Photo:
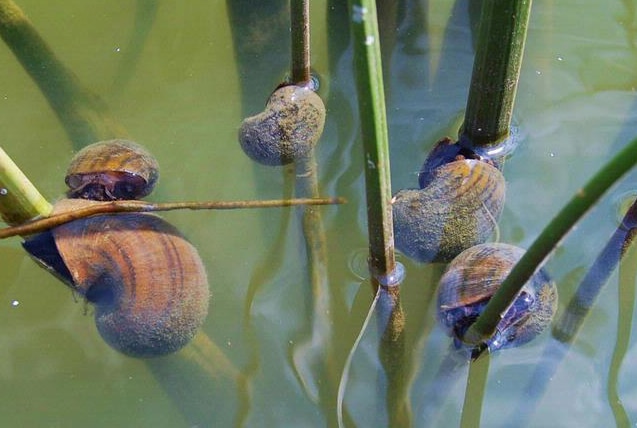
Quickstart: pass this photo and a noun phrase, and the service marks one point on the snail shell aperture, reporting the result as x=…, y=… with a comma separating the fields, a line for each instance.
x=146, y=281
x=287, y=130
x=459, y=208
x=113, y=169
x=474, y=276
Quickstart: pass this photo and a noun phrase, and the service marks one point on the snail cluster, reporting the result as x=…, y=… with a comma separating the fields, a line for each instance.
x=460, y=198
x=146, y=281
x=449, y=219
x=474, y=276
x=287, y=130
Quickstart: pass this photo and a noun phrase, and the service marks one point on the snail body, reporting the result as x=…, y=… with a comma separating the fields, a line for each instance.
x=146, y=281
x=474, y=276
x=110, y=170
x=457, y=209
x=288, y=128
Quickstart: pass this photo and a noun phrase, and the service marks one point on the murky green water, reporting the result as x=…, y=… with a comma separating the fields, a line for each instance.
x=279, y=346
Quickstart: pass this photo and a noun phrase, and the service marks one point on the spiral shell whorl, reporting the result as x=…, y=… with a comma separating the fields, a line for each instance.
x=458, y=209
x=147, y=282
x=287, y=130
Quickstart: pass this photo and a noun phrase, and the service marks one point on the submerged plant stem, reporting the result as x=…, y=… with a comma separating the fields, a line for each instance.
x=84, y=115
x=496, y=70
x=474, y=391
x=485, y=325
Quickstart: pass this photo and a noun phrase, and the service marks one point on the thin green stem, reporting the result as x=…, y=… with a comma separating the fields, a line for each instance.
x=300, y=32
x=20, y=201
x=496, y=70
x=585, y=198
x=371, y=101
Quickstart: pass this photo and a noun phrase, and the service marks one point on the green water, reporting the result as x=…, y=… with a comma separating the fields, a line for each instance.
x=280, y=346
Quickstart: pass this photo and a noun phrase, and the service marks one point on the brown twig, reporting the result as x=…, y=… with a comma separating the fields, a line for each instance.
x=112, y=207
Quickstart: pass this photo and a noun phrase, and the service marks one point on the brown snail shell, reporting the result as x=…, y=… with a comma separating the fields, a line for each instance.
x=474, y=276
x=459, y=208
x=147, y=282
x=113, y=169
x=288, y=128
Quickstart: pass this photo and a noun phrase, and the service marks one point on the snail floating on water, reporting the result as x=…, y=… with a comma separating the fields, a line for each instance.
x=111, y=170
x=288, y=128
x=457, y=208
x=474, y=276
x=146, y=281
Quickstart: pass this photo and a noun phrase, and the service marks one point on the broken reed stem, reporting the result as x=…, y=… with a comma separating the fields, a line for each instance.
x=20, y=201
x=112, y=207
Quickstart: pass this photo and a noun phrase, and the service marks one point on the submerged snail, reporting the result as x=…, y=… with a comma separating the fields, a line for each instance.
x=146, y=281
x=287, y=129
x=474, y=276
x=458, y=208
x=109, y=170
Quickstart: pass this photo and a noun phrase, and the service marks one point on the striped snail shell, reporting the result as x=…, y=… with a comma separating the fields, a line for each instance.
x=457, y=209
x=110, y=170
x=288, y=128
x=146, y=281
x=474, y=276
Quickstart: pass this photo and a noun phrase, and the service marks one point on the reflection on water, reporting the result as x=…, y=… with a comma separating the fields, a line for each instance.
x=184, y=98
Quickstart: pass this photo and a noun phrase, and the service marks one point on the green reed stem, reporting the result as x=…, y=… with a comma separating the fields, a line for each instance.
x=84, y=116
x=300, y=32
x=20, y=201
x=580, y=203
x=371, y=101
x=496, y=70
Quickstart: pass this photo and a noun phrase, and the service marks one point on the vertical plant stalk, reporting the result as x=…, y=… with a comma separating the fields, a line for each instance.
x=386, y=274
x=391, y=322
x=371, y=102
x=496, y=70
x=474, y=391
x=317, y=351
x=84, y=116
x=584, y=199
x=20, y=201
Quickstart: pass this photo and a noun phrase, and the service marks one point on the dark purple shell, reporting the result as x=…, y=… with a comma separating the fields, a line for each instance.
x=110, y=170
x=474, y=276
